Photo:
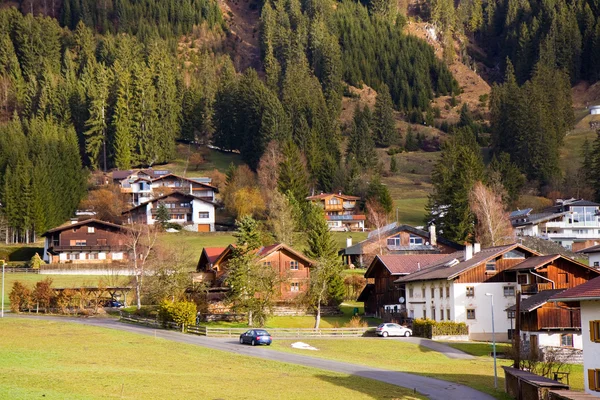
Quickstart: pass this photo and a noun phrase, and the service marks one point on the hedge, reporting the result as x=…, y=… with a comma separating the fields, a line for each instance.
x=429, y=328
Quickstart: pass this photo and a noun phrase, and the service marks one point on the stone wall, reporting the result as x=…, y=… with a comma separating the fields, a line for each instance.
x=565, y=354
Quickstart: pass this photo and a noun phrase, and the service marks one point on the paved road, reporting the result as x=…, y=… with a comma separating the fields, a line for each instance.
x=435, y=389
x=443, y=348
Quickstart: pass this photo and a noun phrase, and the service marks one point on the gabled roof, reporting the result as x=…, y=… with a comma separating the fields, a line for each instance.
x=535, y=262
x=366, y=292
x=176, y=192
x=358, y=247
x=122, y=174
x=541, y=217
x=86, y=222
x=536, y=301
x=581, y=203
x=325, y=195
x=586, y=291
x=592, y=249
x=265, y=251
x=446, y=269
x=403, y=264
x=184, y=179
x=212, y=253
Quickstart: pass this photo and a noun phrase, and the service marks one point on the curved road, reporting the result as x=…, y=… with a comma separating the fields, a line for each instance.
x=435, y=389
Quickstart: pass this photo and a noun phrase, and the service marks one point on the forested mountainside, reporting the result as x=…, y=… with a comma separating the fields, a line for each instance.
x=116, y=83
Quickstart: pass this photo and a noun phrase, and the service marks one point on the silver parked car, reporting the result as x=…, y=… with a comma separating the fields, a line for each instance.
x=390, y=329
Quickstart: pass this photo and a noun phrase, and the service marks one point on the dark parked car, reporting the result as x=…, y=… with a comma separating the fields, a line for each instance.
x=256, y=336
x=114, y=304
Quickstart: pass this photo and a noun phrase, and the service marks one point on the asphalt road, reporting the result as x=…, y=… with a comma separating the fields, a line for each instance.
x=434, y=389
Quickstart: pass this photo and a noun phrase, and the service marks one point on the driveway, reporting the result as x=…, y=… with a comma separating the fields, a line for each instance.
x=435, y=389
x=443, y=348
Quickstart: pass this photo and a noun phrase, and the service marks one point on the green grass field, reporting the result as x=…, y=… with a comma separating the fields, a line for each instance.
x=213, y=159
x=57, y=281
x=57, y=360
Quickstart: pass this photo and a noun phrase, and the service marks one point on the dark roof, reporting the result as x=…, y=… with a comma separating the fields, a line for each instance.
x=325, y=195
x=266, y=250
x=166, y=195
x=592, y=249
x=86, y=222
x=537, y=300
x=446, y=269
x=169, y=175
x=537, y=380
x=124, y=173
x=402, y=264
x=520, y=213
x=366, y=292
x=541, y=217
x=535, y=262
x=582, y=202
x=586, y=291
x=357, y=248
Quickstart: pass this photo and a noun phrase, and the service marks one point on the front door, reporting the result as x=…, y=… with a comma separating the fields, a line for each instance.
x=533, y=345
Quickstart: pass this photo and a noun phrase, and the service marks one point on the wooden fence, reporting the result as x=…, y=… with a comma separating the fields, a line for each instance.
x=24, y=270
x=279, y=333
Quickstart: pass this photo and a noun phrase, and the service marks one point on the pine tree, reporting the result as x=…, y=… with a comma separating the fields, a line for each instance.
x=393, y=165
x=162, y=216
x=360, y=143
x=384, y=126
x=293, y=177
x=96, y=125
x=122, y=123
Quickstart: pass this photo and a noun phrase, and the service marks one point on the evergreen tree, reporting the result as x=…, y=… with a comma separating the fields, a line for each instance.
x=380, y=193
x=393, y=165
x=162, y=215
x=96, y=125
x=384, y=126
x=411, y=142
x=293, y=177
x=360, y=143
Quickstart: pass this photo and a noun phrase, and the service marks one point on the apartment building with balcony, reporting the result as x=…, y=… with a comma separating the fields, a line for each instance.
x=341, y=211
x=91, y=241
x=194, y=213
x=574, y=224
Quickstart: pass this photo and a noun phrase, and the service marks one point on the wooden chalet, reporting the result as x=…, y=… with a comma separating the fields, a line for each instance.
x=292, y=266
x=90, y=241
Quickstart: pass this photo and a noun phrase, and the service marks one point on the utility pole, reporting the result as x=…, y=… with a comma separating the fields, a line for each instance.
x=494, y=341
x=517, y=333
x=2, y=310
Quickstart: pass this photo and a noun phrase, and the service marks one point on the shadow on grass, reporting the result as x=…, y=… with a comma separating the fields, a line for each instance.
x=368, y=387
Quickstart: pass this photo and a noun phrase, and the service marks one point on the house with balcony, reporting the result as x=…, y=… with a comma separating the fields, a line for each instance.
x=91, y=241
x=574, y=224
x=293, y=268
x=118, y=176
x=341, y=211
x=144, y=188
x=396, y=239
x=586, y=298
x=193, y=213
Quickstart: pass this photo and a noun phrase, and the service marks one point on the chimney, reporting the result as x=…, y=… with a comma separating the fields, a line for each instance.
x=340, y=192
x=74, y=221
x=418, y=266
x=349, y=241
x=432, y=235
x=468, y=251
x=476, y=248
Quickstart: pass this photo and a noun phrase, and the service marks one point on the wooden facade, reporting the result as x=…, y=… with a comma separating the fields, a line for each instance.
x=293, y=270
x=385, y=291
x=90, y=241
x=551, y=316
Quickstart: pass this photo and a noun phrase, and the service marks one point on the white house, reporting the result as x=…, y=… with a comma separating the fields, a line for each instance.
x=193, y=213
x=461, y=287
x=574, y=224
x=587, y=296
x=144, y=188
x=593, y=253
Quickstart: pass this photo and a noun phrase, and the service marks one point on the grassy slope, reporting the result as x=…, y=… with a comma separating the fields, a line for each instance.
x=213, y=159
x=57, y=360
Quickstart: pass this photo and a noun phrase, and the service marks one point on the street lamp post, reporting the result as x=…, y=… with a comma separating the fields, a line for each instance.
x=2, y=310
x=494, y=342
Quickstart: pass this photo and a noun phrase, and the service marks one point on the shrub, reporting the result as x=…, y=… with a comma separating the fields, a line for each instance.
x=183, y=313
x=428, y=328
x=20, y=297
x=356, y=322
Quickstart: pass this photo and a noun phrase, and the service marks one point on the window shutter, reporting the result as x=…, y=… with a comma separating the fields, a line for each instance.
x=592, y=379
x=592, y=332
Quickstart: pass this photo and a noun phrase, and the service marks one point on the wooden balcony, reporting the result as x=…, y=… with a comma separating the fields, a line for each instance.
x=535, y=288
x=175, y=210
x=104, y=247
x=334, y=207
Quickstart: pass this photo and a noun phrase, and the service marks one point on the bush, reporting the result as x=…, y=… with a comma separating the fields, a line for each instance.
x=20, y=297
x=356, y=322
x=428, y=328
x=183, y=313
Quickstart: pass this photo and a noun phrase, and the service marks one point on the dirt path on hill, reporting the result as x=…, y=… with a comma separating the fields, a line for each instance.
x=242, y=19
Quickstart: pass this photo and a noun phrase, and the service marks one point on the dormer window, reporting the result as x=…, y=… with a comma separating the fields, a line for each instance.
x=490, y=266
x=415, y=240
x=514, y=254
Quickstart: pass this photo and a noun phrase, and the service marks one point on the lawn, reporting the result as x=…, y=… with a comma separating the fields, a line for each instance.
x=407, y=357
x=57, y=281
x=57, y=360
x=213, y=159
x=479, y=349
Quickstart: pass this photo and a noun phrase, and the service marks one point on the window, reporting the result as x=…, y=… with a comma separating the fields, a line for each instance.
x=490, y=266
x=441, y=314
x=295, y=287
x=595, y=331
x=93, y=256
x=596, y=263
x=294, y=265
x=594, y=379
x=424, y=314
x=415, y=240
x=509, y=291
x=423, y=292
x=510, y=314
x=91, y=229
x=514, y=254
x=433, y=313
x=203, y=214
x=80, y=242
x=441, y=292
x=73, y=256
x=267, y=263
x=470, y=313
x=394, y=241
x=470, y=291
x=566, y=340
x=447, y=292
x=433, y=293
x=410, y=292
x=448, y=314
x=523, y=279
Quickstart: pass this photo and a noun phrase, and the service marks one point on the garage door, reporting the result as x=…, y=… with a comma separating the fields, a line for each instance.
x=203, y=228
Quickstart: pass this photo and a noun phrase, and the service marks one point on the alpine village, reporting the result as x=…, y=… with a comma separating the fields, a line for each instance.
x=300, y=199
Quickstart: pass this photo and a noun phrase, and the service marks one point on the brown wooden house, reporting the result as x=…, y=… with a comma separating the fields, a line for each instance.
x=293, y=268
x=89, y=241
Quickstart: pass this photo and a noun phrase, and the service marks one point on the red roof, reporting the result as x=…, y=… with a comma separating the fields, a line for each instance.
x=589, y=290
x=325, y=195
x=212, y=253
x=401, y=264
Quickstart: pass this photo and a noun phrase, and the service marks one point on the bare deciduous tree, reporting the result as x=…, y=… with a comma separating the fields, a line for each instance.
x=107, y=202
x=141, y=240
x=493, y=227
x=268, y=169
x=377, y=217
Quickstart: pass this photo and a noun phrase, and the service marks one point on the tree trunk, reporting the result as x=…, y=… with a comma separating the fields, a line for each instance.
x=250, y=319
x=318, y=316
x=137, y=292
